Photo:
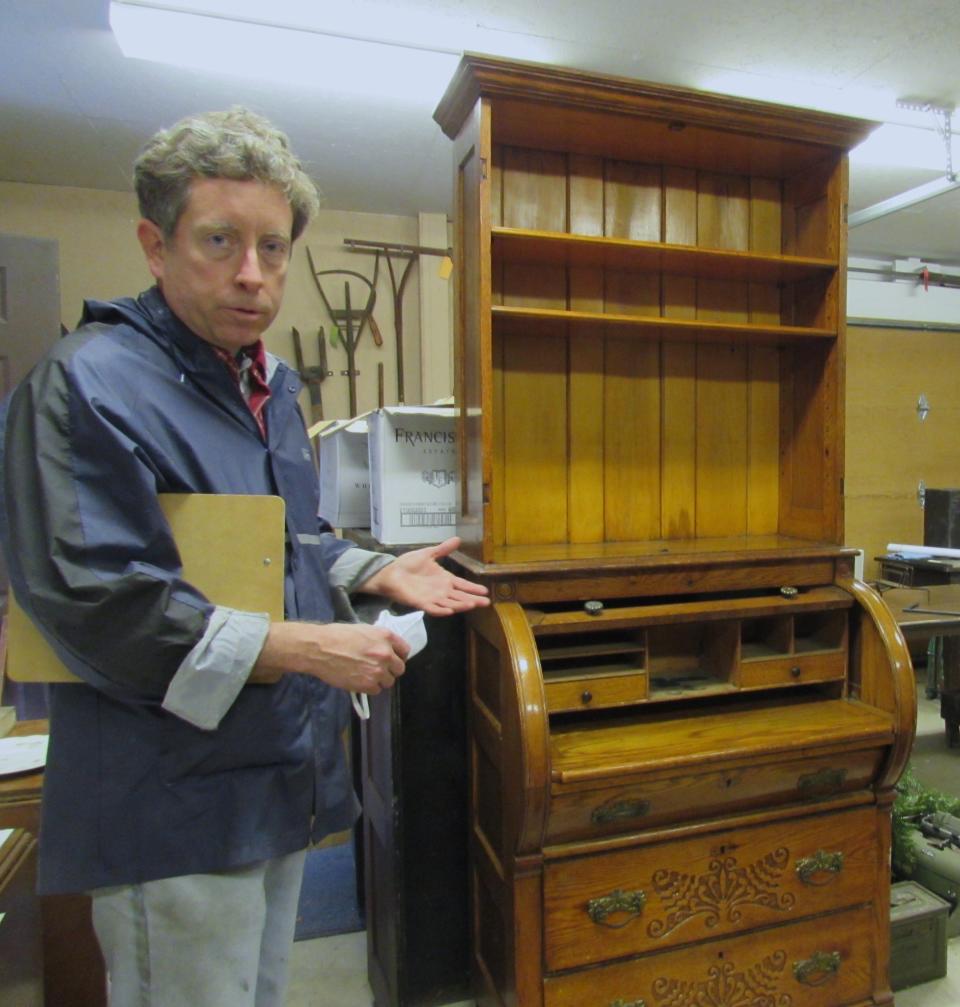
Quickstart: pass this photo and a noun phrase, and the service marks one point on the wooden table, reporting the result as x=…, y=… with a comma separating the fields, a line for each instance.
x=74, y=974
x=935, y=609
x=21, y=955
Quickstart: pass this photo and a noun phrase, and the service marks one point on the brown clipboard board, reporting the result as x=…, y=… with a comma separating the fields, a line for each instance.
x=232, y=550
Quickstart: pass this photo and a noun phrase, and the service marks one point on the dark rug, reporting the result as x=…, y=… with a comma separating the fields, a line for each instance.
x=328, y=898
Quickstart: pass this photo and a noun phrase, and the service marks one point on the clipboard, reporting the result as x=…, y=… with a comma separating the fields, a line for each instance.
x=232, y=549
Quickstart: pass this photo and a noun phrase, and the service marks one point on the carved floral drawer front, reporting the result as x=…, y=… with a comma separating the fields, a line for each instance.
x=661, y=895
x=588, y=813
x=820, y=962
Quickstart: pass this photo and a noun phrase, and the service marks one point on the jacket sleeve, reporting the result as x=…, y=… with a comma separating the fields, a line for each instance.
x=90, y=555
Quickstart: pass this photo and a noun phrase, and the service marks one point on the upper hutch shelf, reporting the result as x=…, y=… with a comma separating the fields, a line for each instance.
x=650, y=314
x=511, y=244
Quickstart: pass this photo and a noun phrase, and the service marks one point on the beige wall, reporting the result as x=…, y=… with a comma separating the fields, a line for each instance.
x=100, y=258
x=888, y=449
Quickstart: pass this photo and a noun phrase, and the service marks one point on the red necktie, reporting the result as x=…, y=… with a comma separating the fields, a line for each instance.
x=253, y=360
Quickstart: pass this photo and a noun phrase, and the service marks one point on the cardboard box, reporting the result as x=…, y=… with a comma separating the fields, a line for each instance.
x=413, y=473
x=345, y=474
x=918, y=935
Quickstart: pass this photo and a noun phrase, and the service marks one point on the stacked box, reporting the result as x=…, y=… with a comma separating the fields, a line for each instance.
x=413, y=474
x=918, y=935
x=345, y=474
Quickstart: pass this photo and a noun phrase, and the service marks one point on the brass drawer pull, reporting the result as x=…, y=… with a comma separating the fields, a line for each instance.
x=822, y=783
x=619, y=901
x=618, y=811
x=821, y=862
x=818, y=969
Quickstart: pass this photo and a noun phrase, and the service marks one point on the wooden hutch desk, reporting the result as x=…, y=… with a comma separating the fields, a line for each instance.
x=686, y=715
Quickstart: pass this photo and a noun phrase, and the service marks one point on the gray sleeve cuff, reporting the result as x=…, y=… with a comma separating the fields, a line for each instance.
x=213, y=673
x=356, y=566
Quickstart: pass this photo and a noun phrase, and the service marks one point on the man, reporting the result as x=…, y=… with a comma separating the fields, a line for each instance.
x=203, y=752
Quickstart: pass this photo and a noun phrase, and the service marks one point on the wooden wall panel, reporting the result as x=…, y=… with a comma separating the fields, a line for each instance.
x=534, y=383
x=763, y=441
x=535, y=438
x=585, y=213
x=632, y=201
x=723, y=221
x=586, y=348
x=632, y=440
x=888, y=450
x=722, y=404
x=678, y=487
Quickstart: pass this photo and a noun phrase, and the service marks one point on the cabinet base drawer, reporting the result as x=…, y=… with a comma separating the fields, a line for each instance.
x=589, y=814
x=822, y=962
x=651, y=897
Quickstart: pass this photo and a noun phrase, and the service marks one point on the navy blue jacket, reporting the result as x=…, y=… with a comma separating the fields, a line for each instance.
x=132, y=405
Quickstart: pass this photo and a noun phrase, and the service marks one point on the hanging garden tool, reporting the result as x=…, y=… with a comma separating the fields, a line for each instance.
x=313, y=377
x=411, y=253
x=349, y=321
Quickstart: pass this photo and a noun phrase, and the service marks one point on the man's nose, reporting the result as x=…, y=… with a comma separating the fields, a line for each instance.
x=249, y=273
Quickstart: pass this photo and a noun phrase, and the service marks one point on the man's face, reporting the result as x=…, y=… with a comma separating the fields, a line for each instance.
x=223, y=271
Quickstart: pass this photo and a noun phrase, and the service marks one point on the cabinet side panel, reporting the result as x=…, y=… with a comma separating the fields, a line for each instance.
x=632, y=440
x=810, y=504
x=721, y=440
x=472, y=330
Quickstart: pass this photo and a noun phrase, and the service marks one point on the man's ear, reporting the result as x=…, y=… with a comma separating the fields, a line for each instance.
x=153, y=245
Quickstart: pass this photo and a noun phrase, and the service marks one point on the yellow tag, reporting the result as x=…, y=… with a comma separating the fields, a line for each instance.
x=445, y=268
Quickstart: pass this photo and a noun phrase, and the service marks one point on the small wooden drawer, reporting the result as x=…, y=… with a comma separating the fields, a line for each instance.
x=813, y=963
x=580, y=813
x=595, y=692
x=651, y=897
x=794, y=669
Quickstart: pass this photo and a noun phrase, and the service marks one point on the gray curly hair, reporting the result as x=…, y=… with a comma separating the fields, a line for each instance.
x=236, y=144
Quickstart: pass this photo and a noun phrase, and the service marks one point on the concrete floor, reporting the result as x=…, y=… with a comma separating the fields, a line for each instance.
x=332, y=971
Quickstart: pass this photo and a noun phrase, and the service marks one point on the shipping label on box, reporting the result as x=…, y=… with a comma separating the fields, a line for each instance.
x=345, y=474
x=413, y=473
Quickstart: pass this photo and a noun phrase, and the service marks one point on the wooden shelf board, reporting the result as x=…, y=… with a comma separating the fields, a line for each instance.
x=655, y=326
x=550, y=248
x=656, y=552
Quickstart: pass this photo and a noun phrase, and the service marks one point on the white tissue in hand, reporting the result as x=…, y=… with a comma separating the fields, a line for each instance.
x=409, y=626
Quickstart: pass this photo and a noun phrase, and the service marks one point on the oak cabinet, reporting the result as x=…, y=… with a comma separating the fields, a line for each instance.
x=686, y=715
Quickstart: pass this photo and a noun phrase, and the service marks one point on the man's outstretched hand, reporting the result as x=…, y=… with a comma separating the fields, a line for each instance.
x=417, y=579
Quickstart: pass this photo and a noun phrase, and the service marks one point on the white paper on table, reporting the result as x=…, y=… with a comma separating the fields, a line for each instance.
x=18, y=755
x=411, y=628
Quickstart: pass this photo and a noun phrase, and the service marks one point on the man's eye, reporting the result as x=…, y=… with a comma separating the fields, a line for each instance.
x=218, y=241
x=274, y=250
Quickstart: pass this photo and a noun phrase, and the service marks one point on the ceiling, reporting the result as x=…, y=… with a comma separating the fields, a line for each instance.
x=74, y=110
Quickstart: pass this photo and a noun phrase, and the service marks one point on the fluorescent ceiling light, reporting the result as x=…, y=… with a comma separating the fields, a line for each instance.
x=902, y=200
x=303, y=56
